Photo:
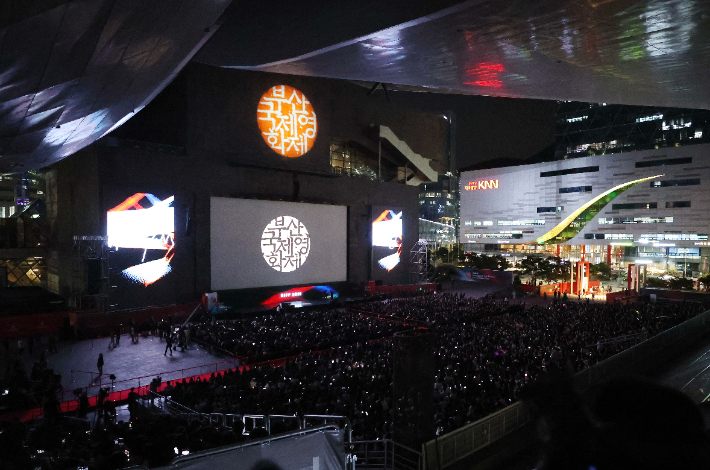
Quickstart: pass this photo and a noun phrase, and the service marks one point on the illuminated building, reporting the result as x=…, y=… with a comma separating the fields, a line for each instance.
x=439, y=201
x=599, y=128
x=643, y=207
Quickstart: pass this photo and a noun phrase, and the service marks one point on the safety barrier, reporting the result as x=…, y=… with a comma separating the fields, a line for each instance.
x=456, y=445
x=459, y=444
x=384, y=455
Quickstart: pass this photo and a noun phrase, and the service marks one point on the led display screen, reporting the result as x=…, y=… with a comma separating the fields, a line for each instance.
x=142, y=228
x=272, y=243
x=387, y=238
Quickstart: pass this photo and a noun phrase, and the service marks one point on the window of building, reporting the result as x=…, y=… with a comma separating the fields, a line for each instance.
x=665, y=162
x=675, y=204
x=569, y=171
x=647, y=237
x=670, y=183
x=347, y=161
x=608, y=236
x=635, y=220
x=576, y=189
x=635, y=205
x=522, y=222
x=494, y=235
x=541, y=210
x=655, y=117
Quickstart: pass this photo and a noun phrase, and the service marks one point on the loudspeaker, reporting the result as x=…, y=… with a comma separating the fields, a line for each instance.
x=93, y=276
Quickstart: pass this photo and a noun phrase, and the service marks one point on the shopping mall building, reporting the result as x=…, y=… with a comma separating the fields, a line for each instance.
x=644, y=207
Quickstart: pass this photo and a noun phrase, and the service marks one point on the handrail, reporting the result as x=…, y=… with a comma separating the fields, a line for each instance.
x=156, y=374
x=219, y=450
x=385, y=454
x=620, y=339
x=348, y=426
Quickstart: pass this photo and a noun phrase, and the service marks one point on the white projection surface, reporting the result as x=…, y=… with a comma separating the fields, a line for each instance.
x=272, y=243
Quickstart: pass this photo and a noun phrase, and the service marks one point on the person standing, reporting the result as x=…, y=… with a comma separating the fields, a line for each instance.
x=169, y=346
x=100, y=363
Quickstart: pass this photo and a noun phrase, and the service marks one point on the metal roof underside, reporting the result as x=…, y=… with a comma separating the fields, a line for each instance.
x=73, y=70
x=638, y=52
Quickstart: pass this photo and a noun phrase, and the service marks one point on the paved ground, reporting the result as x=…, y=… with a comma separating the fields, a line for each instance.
x=139, y=362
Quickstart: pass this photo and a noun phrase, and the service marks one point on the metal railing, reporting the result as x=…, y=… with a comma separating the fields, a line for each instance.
x=630, y=338
x=459, y=444
x=96, y=381
x=384, y=455
x=250, y=422
x=219, y=450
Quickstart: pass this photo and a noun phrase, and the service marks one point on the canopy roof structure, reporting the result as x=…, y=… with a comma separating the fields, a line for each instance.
x=72, y=71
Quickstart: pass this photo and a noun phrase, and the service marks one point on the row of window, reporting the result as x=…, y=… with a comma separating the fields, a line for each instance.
x=522, y=222
x=542, y=210
x=635, y=205
x=608, y=236
x=649, y=205
x=576, y=189
x=671, y=183
x=487, y=223
x=667, y=161
x=652, y=163
x=569, y=171
x=494, y=235
x=672, y=236
x=635, y=220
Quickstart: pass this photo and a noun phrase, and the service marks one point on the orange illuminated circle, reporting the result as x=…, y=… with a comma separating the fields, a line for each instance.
x=287, y=121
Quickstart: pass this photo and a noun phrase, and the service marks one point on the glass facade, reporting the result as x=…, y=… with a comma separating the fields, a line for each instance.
x=598, y=128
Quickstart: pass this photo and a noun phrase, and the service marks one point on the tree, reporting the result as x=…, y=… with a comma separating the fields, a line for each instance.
x=477, y=261
x=681, y=283
x=705, y=280
x=655, y=282
x=556, y=270
x=532, y=266
x=601, y=271
x=549, y=269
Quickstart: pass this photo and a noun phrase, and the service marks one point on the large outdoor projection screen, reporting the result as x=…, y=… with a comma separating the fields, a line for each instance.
x=272, y=243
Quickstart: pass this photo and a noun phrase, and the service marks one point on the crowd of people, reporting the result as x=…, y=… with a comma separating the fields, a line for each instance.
x=486, y=352
x=273, y=336
x=65, y=443
x=340, y=362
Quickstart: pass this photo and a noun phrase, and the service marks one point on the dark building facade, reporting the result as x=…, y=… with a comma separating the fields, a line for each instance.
x=201, y=139
x=584, y=129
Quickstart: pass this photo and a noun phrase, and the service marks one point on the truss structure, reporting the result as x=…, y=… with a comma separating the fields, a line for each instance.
x=420, y=268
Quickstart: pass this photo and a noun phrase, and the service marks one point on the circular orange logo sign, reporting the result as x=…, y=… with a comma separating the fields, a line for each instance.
x=287, y=121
